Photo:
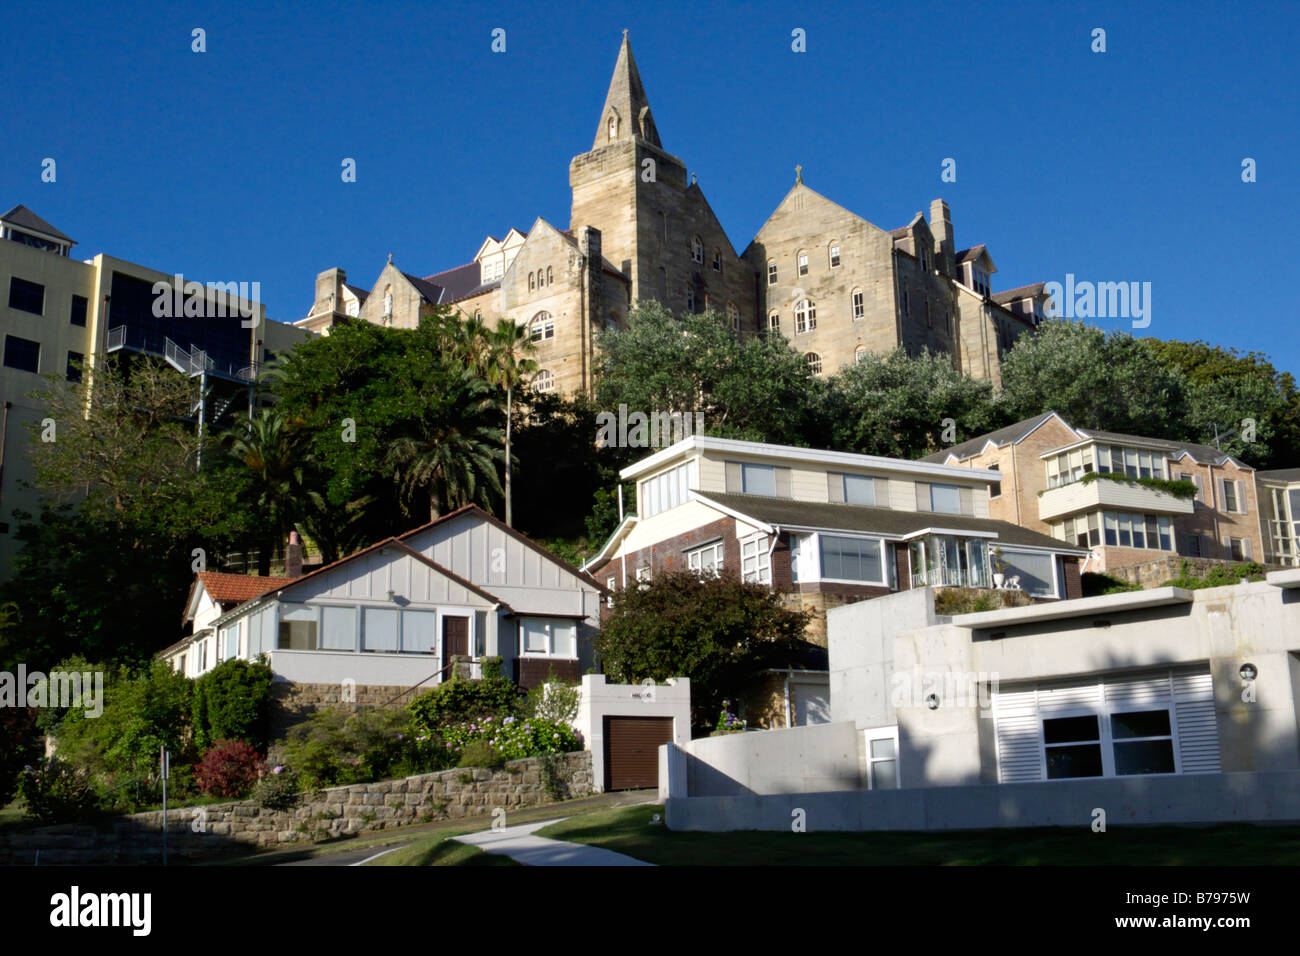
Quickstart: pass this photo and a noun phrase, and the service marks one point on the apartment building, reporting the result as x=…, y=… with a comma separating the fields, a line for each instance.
x=825, y=528
x=60, y=316
x=1128, y=499
x=1278, y=494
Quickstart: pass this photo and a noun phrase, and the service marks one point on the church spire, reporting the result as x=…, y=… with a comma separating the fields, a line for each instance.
x=627, y=111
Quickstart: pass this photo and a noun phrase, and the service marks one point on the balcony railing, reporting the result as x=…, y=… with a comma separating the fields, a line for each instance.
x=951, y=578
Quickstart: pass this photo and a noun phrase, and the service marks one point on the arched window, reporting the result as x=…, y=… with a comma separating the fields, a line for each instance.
x=805, y=316
x=771, y=272
x=543, y=381
x=774, y=321
x=802, y=259
x=690, y=299
x=542, y=327
x=859, y=304
x=697, y=249
x=388, y=300
x=478, y=315
x=907, y=302
x=733, y=314
x=532, y=281
x=834, y=254
x=717, y=260
x=613, y=126
x=859, y=354
x=814, y=362
x=550, y=275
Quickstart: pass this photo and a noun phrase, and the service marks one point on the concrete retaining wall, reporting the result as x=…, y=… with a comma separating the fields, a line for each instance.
x=1189, y=799
x=810, y=759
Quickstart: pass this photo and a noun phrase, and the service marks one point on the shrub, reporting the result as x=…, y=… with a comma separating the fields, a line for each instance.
x=277, y=789
x=232, y=702
x=1095, y=584
x=459, y=700
x=1220, y=575
x=59, y=792
x=20, y=745
x=728, y=723
x=553, y=701
x=336, y=747
x=230, y=768
x=962, y=600
x=479, y=753
x=509, y=738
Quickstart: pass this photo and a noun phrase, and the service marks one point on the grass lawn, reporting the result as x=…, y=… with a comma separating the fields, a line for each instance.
x=630, y=830
x=441, y=851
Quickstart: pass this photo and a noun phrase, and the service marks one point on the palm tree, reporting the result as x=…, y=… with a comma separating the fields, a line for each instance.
x=507, y=368
x=267, y=447
x=449, y=453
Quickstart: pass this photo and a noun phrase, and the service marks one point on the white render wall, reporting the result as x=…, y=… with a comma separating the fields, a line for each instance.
x=600, y=700
x=816, y=758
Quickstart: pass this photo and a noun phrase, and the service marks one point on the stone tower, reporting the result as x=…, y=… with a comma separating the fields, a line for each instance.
x=655, y=225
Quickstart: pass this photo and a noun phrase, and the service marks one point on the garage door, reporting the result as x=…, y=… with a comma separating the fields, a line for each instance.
x=632, y=751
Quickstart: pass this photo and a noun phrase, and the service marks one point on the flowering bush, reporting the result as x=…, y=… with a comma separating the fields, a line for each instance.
x=230, y=768
x=58, y=792
x=728, y=723
x=512, y=738
x=277, y=788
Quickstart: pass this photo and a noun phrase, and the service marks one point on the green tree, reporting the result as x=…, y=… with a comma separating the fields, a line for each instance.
x=508, y=368
x=719, y=632
x=755, y=388
x=1094, y=379
x=898, y=405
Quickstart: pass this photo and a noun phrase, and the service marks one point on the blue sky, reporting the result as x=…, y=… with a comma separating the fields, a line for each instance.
x=1115, y=166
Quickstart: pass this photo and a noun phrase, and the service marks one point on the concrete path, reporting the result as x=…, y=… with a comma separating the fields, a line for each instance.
x=520, y=845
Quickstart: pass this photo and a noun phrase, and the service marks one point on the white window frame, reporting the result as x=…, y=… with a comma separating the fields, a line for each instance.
x=755, y=560
x=816, y=559
x=549, y=625
x=695, y=557
x=1103, y=712
x=882, y=733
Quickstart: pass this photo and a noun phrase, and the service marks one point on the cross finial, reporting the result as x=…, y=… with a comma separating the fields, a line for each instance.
x=625, y=33
x=390, y=258
x=798, y=175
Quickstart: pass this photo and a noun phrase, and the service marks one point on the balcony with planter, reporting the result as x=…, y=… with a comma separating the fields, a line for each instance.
x=1117, y=493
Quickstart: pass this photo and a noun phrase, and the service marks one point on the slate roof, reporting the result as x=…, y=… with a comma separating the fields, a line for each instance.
x=1003, y=436
x=966, y=255
x=457, y=283
x=1015, y=295
x=1201, y=453
x=887, y=521
x=24, y=218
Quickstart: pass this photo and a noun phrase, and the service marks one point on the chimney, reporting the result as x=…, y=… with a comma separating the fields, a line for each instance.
x=329, y=290
x=941, y=227
x=293, y=556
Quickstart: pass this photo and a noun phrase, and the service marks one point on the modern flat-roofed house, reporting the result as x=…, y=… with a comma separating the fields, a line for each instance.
x=393, y=615
x=1278, y=493
x=824, y=527
x=1127, y=498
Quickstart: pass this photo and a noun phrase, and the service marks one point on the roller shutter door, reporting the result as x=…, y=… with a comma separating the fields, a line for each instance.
x=632, y=751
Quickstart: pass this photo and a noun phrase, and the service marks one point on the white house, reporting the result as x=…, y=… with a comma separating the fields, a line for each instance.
x=394, y=614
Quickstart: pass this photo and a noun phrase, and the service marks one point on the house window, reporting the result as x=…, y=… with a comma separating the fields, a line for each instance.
x=22, y=354
x=338, y=628
x=859, y=354
x=755, y=561
x=550, y=274
x=835, y=256
x=771, y=272
x=643, y=574
x=697, y=249
x=814, y=362
x=297, y=627
x=1233, y=502
x=859, y=490
x=733, y=314
x=1239, y=549
x=1122, y=744
x=74, y=366
x=945, y=499
x=380, y=630
x=803, y=263
x=859, y=304
x=995, y=489
x=532, y=281
x=1033, y=571
x=805, y=316
x=1193, y=546
x=541, y=327
x=758, y=479
x=544, y=381
x=882, y=758
x=664, y=491
x=774, y=321
x=690, y=299
x=717, y=260
x=26, y=296
x=859, y=560
x=706, y=560
x=419, y=632
x=79, y=306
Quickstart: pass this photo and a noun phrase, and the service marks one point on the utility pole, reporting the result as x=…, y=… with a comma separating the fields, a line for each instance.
x=203, y=388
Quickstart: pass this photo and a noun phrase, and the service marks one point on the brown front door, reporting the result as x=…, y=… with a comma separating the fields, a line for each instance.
x=632, y=751
x=455, y=638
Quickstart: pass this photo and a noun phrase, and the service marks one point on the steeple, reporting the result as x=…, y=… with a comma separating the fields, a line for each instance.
x=627, y=111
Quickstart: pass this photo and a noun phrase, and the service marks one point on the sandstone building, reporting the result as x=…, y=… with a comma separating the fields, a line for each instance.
x=640, y=228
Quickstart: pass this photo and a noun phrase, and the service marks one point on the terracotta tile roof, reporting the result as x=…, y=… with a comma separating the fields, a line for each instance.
x=238, y=588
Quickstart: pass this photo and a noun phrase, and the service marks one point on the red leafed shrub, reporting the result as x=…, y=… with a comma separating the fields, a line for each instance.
x=228, y=769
